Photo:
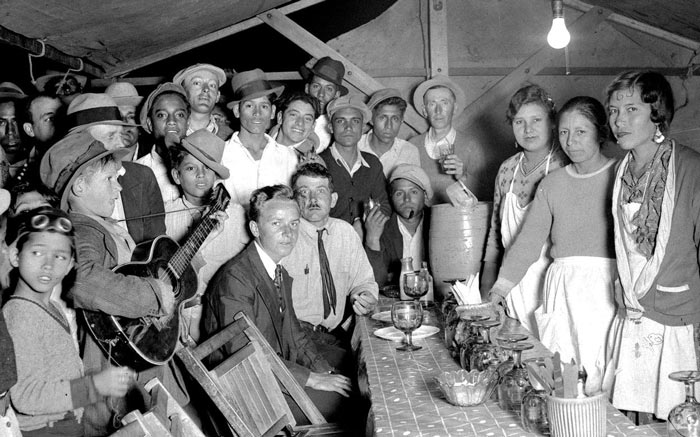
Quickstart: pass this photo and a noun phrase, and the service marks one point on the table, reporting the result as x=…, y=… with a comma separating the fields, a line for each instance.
x=406, y=400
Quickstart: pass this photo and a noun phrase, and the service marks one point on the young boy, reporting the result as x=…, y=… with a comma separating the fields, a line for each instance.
x=196, y=166
x=84, y=175
x=52, y=387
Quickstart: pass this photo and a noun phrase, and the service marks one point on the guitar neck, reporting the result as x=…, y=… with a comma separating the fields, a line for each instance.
x=182, y=258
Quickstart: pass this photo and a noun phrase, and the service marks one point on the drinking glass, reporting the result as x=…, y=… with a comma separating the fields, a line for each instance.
x=407, y=316
x=445, y=151
x=415, y=286
x=684, y=418
x=466, y=337
x=533, y=413
x=515, y=382
x=484, y=354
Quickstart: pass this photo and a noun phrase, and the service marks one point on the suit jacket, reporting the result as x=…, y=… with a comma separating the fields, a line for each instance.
x=242, y=284
x=386, y=262
x=141, y=197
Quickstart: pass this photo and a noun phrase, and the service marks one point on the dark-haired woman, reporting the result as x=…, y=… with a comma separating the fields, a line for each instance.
x=656, y=207
x=531, y=114
x=572, y=207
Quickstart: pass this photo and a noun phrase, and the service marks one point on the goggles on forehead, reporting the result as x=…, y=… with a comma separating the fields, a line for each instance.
x=44, y=222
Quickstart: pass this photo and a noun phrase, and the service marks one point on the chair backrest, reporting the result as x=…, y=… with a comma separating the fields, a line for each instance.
x=244, y=386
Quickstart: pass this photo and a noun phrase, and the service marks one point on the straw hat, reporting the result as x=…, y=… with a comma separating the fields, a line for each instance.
x=41, y=82
x=92, y=109
x=248, y=85
x=439, y=80
x=208, y=148
x=124, y=94
x=65, y=160
x=9, y=90
x=185, y=73
x=329, y=69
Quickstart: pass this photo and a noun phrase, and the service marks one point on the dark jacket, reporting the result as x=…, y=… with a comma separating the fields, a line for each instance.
x=387, y=262
x=242, y=284
x=141, y=198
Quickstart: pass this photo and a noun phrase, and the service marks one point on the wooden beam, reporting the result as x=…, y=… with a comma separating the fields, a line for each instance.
x=501, y=91
x=126, y=67
x=35, y=47
x=638, y=25
x=439, y=60
x=318, y=49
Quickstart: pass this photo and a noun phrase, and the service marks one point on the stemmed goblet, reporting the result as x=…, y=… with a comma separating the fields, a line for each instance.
x=415, y=285
x=407, y=316
x=684, y=418
x=516, y=381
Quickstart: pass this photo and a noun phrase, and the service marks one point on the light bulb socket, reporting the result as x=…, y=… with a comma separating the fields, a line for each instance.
x=558, y=8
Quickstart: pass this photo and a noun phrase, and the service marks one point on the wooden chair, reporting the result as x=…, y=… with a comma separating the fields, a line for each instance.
x=245, y=386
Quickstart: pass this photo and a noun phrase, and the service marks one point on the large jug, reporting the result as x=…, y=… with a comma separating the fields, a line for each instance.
x=457, y=240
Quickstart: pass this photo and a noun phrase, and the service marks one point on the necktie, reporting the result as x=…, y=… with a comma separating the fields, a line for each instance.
x=326, y=278
x=278, y=286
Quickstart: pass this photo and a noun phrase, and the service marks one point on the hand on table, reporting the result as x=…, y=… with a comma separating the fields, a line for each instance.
x=114, y=381
x=363, y=303
x=329, y=382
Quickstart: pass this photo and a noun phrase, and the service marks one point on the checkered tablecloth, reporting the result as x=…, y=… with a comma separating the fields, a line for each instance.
x=406, y=400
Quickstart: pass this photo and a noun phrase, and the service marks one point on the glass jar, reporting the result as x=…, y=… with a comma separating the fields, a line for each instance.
x=533, y=412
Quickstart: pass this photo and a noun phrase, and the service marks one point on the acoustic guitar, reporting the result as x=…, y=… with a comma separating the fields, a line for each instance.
x=148, y=341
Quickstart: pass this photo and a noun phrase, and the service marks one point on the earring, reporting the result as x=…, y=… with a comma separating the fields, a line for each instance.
x=515, y=144
x=658, y=136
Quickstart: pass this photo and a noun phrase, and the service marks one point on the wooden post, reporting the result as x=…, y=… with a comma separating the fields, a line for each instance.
x=35, y=47
x=501, y=91
x=439, y=57
x=318, y=49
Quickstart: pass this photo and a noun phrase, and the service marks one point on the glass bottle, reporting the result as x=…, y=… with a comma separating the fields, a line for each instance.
x=516, y=381
x=684, y=418
x=406, y=267
x=430, y=297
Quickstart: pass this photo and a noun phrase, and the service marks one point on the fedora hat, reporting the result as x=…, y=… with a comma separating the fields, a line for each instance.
x=381, y=95
x=41, y=82
x=65, y=161
x=248, y=85
x=185, y=73
x=208, y=149
x=124, y=93
x=91, y=109
x=349, y=101
x=329, y=69
x=443, y=81
x=9, y=90
x=167, y=87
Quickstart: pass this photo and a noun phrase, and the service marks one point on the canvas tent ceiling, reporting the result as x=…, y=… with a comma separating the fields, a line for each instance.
x=110, y=34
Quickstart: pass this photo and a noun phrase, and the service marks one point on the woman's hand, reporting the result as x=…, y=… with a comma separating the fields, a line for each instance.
x=114, y=381
x=329, y=382
x=495, y=298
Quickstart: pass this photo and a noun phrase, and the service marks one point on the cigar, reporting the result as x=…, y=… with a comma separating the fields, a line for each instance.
x=410, y=215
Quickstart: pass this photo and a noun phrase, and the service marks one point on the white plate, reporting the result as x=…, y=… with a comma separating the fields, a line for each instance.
x=393, y=334
x=383, y=316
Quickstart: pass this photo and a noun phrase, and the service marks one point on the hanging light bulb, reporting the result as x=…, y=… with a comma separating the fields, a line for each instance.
x=558, y=37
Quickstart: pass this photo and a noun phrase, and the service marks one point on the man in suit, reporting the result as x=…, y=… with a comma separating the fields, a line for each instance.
x=139, y=208
x=255, y=283
x=405, y=233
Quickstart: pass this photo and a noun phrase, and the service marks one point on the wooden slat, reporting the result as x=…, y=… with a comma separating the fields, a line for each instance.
x=439, y=60
x=638, y=25
x=317, y=48
x=34, y=47
x=503, y=89
x=126, y=67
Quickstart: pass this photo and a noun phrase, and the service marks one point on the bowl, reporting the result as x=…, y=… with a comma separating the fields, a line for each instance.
x=466, y=389
x=391, y=291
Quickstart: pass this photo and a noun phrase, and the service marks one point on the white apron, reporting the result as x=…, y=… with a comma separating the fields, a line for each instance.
x=578, y=312
x=526, y=296
x=646, y=352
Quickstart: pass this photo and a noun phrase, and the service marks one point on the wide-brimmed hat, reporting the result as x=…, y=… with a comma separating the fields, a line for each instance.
x=414, y=174
x=124, y=93
x=91, y=109
x=349, y=101
x=326, y=68
x=65, y=160
x=208, y=148
x=439, y=80
x=9, y=90
x=380, y=95
x=41, y=82
x=167, y=87
x=248, y=85
x=183, y=74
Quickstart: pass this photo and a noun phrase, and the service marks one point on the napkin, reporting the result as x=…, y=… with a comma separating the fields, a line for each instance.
x=467, y=292
x=460, y=196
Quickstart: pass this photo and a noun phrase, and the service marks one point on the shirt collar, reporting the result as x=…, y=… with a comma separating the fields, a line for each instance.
x=311, y=230
x=268, y=263
x=336, y=156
